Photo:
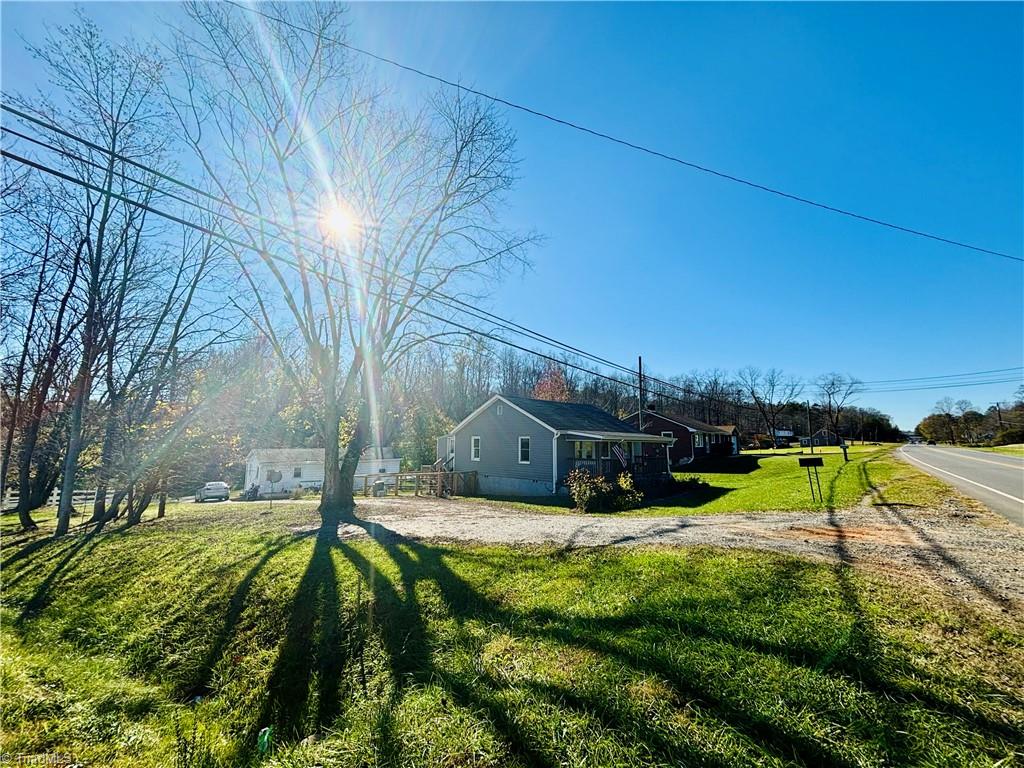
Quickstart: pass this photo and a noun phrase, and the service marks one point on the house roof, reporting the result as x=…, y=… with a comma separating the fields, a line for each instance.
x=727, y=428
x=566, y=417
x=685, y=421
x=299, y=455
x=287, y=455
x=574, y=419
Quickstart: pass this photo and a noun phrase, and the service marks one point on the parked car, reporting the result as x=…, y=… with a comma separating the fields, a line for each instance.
x=216, y=491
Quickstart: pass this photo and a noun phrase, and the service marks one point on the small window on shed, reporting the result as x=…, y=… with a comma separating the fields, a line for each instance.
x=524, y=450
x=297, y=472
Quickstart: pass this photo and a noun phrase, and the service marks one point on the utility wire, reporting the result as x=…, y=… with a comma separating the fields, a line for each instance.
x=959, y=385
x=434, y=295
x=629, y=144
x=431, y=295
x=945, y=376
x=295, y=265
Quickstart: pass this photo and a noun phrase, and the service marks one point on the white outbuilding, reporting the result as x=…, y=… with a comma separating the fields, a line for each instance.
x=304, y=468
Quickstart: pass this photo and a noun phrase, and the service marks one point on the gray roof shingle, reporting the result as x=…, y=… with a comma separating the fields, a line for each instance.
x=571, y=416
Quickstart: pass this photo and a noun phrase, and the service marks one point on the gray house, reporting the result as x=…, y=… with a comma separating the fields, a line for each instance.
x=524, y=447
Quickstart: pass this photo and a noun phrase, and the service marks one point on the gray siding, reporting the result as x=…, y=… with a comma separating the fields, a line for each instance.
x=499, y=470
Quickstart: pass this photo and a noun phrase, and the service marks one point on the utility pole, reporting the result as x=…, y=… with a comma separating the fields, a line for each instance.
x=810, y=435
x=640, y=392
x=999, y=413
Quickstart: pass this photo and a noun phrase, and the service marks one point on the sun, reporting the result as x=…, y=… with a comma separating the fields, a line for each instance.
x=338, y=221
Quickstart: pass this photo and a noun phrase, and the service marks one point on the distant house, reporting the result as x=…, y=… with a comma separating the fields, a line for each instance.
x=693, y=439
x=823, y=436
x=783, y=437
x=524, y=447
x=304, y=467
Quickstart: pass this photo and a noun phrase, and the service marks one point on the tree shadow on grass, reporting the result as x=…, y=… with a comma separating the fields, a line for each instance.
x=315, y=676
x=405, y=637
x=863, y=643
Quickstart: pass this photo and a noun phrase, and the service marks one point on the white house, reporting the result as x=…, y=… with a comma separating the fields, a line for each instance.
x=304, y=467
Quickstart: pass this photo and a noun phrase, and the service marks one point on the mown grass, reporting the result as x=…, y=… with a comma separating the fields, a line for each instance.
x=391, y=652
x=1010, y=450
x=763, y=482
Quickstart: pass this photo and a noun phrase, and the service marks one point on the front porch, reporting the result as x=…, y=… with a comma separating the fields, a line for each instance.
x=638, y=466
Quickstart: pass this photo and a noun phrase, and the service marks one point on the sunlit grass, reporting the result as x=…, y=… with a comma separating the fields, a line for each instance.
x=399, y=653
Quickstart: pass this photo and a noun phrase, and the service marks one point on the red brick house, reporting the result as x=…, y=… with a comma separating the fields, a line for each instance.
x=693, y=439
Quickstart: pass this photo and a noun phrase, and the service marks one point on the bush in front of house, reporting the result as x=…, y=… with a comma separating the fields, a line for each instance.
x=594, y=493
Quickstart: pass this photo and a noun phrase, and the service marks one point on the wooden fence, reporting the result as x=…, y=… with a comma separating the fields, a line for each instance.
x=418, y=483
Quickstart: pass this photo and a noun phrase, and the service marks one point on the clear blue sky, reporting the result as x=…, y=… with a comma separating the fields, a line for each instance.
x=908, y=112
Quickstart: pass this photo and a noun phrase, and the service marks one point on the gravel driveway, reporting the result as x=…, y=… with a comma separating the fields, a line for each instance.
x=970, y=552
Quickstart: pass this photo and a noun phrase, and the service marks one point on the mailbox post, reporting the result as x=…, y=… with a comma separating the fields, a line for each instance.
x=813, y=461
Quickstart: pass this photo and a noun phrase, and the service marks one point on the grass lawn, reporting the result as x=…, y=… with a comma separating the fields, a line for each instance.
x=760, y=482
x=1016, y=449
x=174, y=643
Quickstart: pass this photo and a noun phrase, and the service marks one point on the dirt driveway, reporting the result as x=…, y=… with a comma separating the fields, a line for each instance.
x=970, y=552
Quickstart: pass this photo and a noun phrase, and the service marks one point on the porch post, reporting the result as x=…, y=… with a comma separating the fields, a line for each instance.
x=554, y=463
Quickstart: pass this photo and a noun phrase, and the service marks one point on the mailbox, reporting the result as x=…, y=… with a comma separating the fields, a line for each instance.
x=812, y=461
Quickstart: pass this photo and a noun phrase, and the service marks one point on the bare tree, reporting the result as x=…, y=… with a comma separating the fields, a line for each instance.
x=363, y=211
x=107, y=93
x=835, y=392
x=771, y=391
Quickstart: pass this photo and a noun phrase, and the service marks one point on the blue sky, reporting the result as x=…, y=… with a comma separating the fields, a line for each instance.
x=907, y=112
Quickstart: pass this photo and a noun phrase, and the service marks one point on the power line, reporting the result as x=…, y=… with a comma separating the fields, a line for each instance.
x=630, y=144
x=959, y=385
x=945, y=376
x=295, y=265
x=434, y=295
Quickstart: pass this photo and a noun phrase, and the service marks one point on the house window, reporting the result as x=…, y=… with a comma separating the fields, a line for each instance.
x=297, y=472
x=698, y=439
x=667, y=434
x=606, y=450
x=584, y=449
x=474, y=448
x=499, y=410
x=524, y=450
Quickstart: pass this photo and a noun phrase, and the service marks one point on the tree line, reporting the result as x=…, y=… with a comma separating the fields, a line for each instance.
x=959, y=421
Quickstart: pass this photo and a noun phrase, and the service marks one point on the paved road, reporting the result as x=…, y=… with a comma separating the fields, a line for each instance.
x=995, y=479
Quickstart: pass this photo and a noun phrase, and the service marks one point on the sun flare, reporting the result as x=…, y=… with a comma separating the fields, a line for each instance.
x=338, y=221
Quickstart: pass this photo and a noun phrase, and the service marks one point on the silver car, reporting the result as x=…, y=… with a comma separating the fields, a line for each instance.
x=216, y=491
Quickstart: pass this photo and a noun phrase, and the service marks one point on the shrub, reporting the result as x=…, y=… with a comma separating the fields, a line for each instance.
x=627, y=496
x=298, y=492
x=1009, y=436
x=590, y=493
x=593, y=493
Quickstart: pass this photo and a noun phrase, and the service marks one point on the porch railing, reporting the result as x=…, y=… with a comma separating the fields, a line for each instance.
x=636, y=465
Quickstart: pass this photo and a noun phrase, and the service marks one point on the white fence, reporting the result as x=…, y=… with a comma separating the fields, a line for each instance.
x=79, y=499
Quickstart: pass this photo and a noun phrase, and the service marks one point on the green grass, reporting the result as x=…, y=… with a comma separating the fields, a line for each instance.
x=762, y=482
x=1011, y=450
x=397, y=653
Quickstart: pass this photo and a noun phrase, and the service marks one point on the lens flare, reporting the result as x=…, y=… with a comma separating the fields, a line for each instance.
x=338, y=221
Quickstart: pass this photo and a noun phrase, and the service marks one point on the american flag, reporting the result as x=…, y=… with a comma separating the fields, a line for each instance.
x=620, y=454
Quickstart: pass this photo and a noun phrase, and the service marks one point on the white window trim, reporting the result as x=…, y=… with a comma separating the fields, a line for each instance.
x=529, y=449
x=667, y=434
x=474, y=448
